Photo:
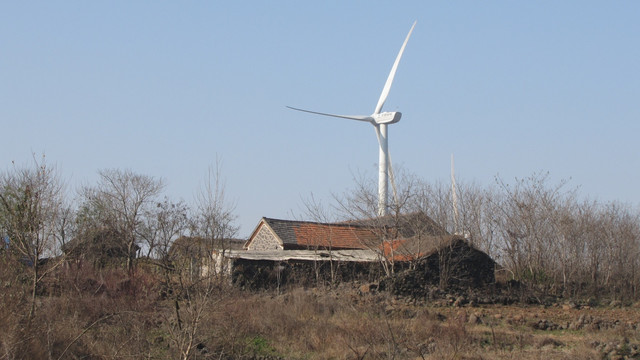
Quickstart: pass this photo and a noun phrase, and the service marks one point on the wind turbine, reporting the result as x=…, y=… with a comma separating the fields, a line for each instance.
x=379, y=120
x=454, y=199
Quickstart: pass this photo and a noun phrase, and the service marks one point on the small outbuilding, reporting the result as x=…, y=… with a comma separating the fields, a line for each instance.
x=448, y=260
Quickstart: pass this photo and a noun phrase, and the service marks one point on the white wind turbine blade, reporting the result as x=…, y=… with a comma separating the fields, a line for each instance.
x=392, y=74
x=350, y=117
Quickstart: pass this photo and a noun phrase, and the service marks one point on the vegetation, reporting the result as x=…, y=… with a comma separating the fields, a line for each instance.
x=543, y=235
x=110, y=315
x=121, y=274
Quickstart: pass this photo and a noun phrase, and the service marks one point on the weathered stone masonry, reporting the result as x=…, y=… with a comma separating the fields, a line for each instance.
x=265, y=240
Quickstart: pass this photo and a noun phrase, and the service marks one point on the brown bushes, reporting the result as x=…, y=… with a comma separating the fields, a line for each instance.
x=109, y=314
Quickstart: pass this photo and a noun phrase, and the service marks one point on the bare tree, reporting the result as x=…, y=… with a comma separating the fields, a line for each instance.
x=526, y=221
x=119, y=202
x=469, y=223
x=212, y=227
x=408, y=217
x=621, y=238
x=476, y=209
x=65, y=225
x=315, y=209
x=538, y=230
x=162, y=225
x=30, y=207
x=360, y=205
x=435, y=200
x=214, y=217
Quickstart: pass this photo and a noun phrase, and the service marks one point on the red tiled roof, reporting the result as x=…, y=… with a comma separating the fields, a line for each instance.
x=394, y=250
x=403, y=226
x=334, y=236
x=303, y=234
x=363, y=234
x=417, y=247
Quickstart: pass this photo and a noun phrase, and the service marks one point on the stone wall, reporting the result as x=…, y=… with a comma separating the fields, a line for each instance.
x=267, y=274
x=458, y=266
x=264, y=240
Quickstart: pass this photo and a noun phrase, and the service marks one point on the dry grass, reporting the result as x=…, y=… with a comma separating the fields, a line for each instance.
x=313, y=324
x=109, y=315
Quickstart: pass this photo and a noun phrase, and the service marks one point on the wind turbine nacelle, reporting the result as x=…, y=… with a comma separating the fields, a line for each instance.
x=387, y=117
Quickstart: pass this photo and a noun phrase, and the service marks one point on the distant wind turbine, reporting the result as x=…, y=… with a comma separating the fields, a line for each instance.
x=379, y=120
x=454, y=199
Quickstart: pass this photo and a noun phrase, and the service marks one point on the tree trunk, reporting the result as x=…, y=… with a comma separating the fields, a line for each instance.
x=34, y=288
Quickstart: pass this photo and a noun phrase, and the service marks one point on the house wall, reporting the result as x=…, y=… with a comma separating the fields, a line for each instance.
x=459, y=266
x=264, y=240
x=268, y=274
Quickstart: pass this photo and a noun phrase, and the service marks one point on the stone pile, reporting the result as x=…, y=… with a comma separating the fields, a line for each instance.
x=618, y=350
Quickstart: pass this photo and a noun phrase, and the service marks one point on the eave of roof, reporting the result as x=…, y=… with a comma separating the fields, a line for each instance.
x=305, y=255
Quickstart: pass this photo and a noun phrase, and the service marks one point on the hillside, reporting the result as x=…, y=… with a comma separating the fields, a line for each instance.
x=111, y=315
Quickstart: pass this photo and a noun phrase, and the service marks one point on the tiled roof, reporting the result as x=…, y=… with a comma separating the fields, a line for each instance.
x=418, y=247
x=423, y=239
x=187, y=245
x=357, y=234
x=414, y=248
x=322, y=235
x=404, y=226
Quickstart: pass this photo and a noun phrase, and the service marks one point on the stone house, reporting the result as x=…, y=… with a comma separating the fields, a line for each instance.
x=283, y=251
x=276, y=234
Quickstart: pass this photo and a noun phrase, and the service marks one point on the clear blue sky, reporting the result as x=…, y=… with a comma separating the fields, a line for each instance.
x=165, y=87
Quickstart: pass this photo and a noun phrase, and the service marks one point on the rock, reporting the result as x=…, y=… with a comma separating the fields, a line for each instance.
x=593, y=302
x=573, y=326
x=545, y=325
x=541, y=325
x=550, y=342
x=462, y=317
x=389, y=309
x=365, y=289
x=615, y=303
x=608, y=348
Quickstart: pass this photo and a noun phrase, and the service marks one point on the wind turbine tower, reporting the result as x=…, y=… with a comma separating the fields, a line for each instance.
x=380, y=120
x=454, y=200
